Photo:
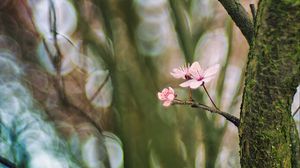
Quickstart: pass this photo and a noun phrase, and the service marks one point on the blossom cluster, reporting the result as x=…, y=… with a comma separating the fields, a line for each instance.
x=194, y=77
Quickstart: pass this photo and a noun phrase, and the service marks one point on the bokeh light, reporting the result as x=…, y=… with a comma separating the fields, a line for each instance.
x=66, y=20
x=99, y=88
x=81, y=92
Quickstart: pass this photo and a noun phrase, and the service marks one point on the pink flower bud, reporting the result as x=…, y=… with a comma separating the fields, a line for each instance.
x=167, y=95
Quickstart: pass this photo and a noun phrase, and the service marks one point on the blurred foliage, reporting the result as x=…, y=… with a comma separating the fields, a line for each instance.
x=110, y=58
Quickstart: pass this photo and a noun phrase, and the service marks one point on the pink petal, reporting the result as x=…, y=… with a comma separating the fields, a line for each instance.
x=160, y=96
x=208, y=79
x=167, y=103
x=177, y=73
x=171, y=97
x=211, y=71
x=164, y=91
x=186, y=83
x=195, y=67
x=196, y=70
x=171, y=90
x=195, y=84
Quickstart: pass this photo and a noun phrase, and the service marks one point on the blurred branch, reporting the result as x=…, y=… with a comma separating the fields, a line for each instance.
x=99, y=88
x=53, y=28
x=106, y=15
x=193, y=104
x=57, y=58
x=7, y=163
x=58, y=80
x=67, y=38
x=103, y=49
x=296, y=111
x=240, y=16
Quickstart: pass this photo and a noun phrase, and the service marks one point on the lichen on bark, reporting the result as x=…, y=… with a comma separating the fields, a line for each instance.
x=267, y=136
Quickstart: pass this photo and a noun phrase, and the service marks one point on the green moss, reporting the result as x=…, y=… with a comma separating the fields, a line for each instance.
x=273, y=73
x=292, y=2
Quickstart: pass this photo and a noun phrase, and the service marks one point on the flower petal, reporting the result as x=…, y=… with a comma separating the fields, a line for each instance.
x=208, y=79
x=171, y=97
x=195, y=84
x=177, y=73
x=195, y=67
x=167, y=103
x=171, y=90
x=186, y=83
x=160, y=96
x=164, y=91
x=196, y=70
x=211, y=71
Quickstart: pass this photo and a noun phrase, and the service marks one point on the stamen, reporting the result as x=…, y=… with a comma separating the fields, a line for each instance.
x=200, y=78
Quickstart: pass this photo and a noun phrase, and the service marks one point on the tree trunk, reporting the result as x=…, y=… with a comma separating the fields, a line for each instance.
x=267, y=131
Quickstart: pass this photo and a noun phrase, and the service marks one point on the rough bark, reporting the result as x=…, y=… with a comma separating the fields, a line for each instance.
x=267, y=130
x=240, y=17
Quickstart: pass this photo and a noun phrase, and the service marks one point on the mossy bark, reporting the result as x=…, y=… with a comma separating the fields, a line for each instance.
x=267, y=131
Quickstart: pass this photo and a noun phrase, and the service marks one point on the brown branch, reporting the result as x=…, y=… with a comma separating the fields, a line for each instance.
x=240, y=17
x=211, y=100
x=193, y=104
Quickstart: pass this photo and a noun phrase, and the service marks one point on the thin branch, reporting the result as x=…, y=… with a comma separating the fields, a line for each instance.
x=240, y=17
x=296, y=111
x=7, y=163
x=66, y=38
x=58, y=83
x=190, y=94
x=211, y=100
x=53, y=29
x=193, y=104
x=100, y=88
x=87, y=117
x=57, y=59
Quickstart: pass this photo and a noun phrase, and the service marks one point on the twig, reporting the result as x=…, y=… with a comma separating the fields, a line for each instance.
x=86, y=116
x=296, y=111
x=240, y=17
x=211, y=100
x=7, y=163
x=190, y=94
x=100, y=88
x=193, y=104
x=57, y=59
x=68, y=39
x=53, y=29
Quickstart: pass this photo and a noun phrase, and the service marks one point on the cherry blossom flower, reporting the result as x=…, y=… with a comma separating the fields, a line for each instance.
x=182, y=72
x=167, y=95
x=200, y=76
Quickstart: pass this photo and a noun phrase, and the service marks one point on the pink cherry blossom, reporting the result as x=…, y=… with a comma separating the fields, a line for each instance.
x=181, y=72
x=200, y=76
x=167, y=95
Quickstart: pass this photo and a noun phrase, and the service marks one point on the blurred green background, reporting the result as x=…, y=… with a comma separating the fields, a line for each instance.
x=90, y=70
